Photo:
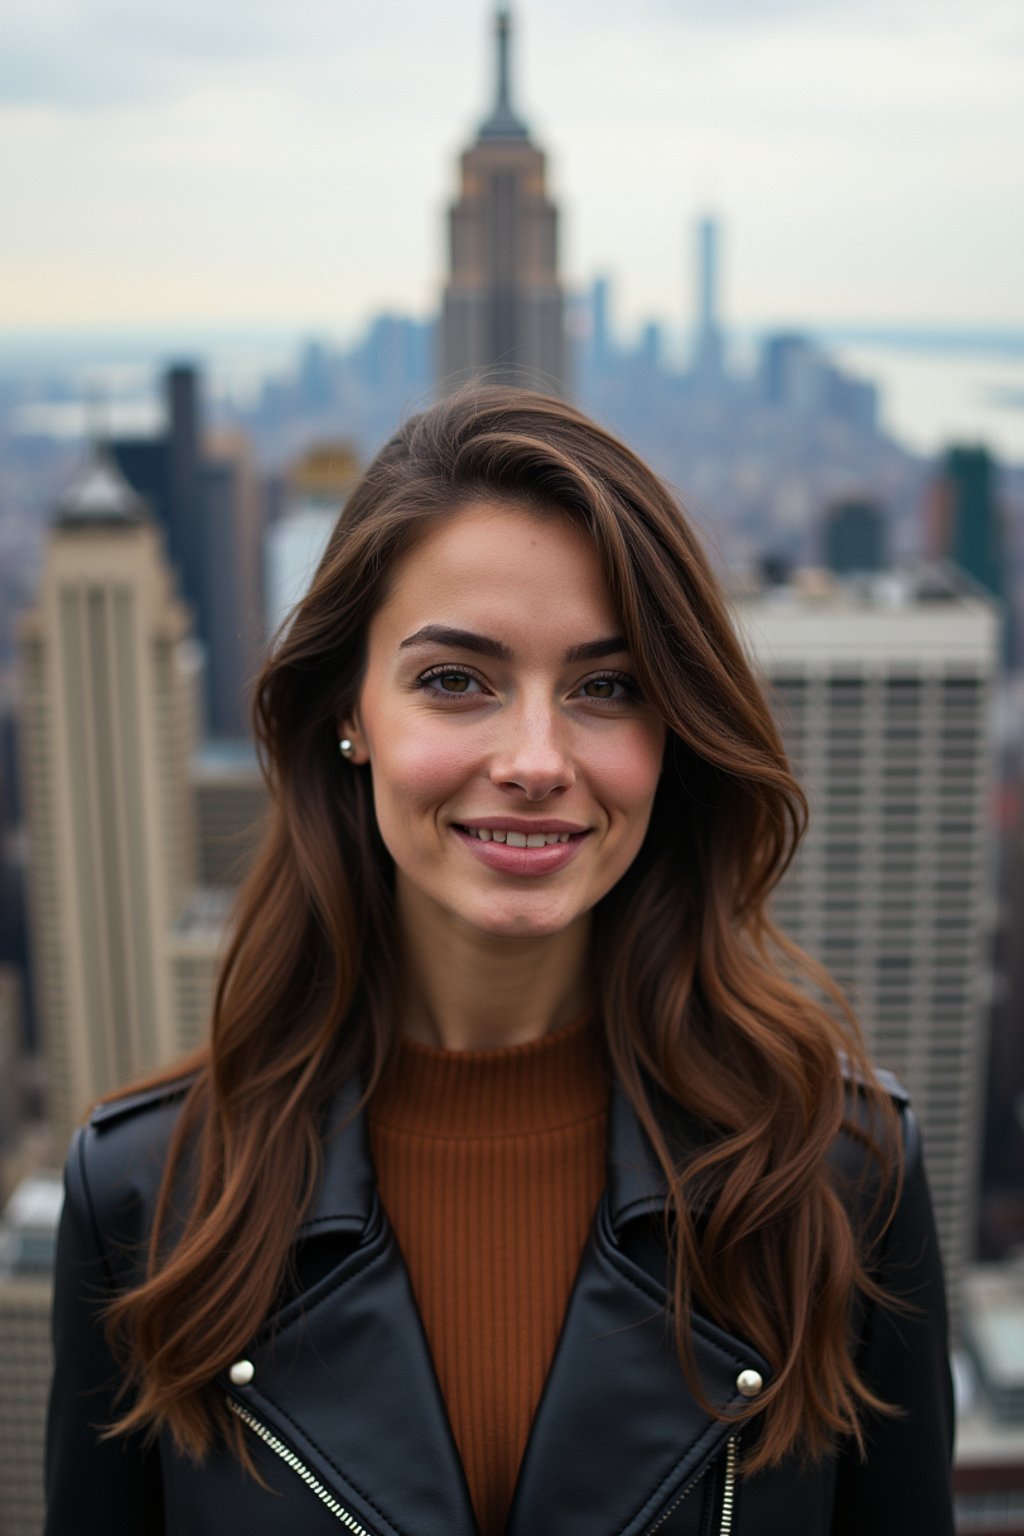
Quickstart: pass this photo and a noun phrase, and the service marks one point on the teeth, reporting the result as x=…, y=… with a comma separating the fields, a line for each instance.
x=519, y=839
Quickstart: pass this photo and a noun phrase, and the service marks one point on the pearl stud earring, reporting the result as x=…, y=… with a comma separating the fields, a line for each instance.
x=346, y=747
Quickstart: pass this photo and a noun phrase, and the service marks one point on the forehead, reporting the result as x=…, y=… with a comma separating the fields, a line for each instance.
x=503, y=570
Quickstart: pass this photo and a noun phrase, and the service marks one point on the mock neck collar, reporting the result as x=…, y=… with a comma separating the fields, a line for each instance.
x=346, y=1192
x=541, y=1085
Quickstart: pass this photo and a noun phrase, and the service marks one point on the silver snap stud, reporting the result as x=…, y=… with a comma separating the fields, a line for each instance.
x=749, y=1383
x=243, y=1371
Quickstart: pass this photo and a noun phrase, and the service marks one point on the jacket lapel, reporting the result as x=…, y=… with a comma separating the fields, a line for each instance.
x=617, y=1437
x=343, y=1376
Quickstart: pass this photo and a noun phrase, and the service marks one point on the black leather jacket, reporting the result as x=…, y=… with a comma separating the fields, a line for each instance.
x=347, y=1422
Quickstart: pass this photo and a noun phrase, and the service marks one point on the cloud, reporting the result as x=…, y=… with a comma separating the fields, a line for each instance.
x=85, y=55
x=205, y=156
x=88, y=54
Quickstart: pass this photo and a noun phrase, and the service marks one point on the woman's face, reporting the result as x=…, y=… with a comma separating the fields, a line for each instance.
x=514, y=762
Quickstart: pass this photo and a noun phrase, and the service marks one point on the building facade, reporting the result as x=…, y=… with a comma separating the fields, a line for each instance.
x=503, y=312
x=109, y=718
x=968, y=518
x=883, y=696
x=234, y=520
x=27, y=1232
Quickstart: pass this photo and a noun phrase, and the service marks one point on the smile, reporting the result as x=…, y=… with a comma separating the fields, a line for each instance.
x=518, y=839
x=509, y=851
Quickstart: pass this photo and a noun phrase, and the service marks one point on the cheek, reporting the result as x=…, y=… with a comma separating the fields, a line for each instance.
x=421, y=768
x=628, y=769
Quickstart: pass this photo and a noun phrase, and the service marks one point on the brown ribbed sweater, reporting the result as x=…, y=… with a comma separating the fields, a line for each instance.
x=490, y=1165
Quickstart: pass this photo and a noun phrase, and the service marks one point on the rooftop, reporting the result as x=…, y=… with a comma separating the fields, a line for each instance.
x=926, y=585
x=100, y=495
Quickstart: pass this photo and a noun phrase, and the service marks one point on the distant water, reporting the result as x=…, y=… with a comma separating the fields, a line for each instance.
x=933, y=396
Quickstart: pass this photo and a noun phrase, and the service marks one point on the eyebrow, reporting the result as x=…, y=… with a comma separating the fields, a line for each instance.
x=484, y=645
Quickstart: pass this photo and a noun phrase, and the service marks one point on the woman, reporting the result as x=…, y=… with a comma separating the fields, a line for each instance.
x=522, y=1186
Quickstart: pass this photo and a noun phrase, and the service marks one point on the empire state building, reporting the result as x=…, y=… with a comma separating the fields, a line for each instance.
x=503, y=303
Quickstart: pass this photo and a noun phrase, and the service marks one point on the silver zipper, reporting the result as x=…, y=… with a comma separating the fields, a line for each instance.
x=728, y=1492
x=728, y=1487
x=290, y=1459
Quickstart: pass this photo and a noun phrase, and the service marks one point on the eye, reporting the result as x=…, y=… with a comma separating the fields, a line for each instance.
x=611, y=688
x=601, y=688
x=450, y=682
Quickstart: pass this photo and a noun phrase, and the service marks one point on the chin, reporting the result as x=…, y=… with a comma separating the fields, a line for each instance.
x=521, y=924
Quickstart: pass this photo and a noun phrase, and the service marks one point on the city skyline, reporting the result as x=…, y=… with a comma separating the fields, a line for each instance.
x=192, y=166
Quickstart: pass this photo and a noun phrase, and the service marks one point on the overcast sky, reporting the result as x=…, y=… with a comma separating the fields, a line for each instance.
x=189, y=162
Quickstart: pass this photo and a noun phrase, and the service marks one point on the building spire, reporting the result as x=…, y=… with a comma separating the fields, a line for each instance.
x=504, y=23
x=100, y=494
x=503, y=122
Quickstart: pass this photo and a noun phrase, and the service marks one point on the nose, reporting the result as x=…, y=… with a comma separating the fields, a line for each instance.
x=533, y=755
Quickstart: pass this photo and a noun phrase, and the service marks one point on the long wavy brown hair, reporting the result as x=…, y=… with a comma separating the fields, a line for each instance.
x=704, y=1003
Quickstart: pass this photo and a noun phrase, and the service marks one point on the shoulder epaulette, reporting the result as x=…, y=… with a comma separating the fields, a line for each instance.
x=893, y=1087
x=119, y=1109
x=887, y=1080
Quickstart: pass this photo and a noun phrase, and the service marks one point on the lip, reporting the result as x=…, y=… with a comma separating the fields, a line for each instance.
x=522, y=861
x=525, y=824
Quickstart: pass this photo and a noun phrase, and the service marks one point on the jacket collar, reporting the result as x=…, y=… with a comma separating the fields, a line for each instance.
x=345, y=1194
x=344, y=1379
x=346, y=1190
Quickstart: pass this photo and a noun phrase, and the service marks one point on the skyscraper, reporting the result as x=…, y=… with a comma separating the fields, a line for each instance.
x=883, y=696
x=109, y=717
x=707, y=352
x=208, y=498
x=503, y=303
x=233, y=527
x=968, y=531
x=854, y=536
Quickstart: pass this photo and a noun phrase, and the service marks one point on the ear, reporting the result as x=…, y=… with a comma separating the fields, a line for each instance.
x=350, y=729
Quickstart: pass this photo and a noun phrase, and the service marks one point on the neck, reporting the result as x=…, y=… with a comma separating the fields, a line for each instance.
x=464, y=990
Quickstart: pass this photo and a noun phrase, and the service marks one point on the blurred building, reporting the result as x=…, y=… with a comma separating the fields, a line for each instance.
x=14, y=951
x=230, y=803
x=967, y=520
x=195, y=946
x=396, y=358
x=209, y=500
x=989, y=1474
x=11, y=1086
x=108, y=730
x=234, y=520
x=598, y=345
x=988, y=1477
x=797, y=378
x=854, y=536
x=994, y=1337
x=1002, y=1216
x=27, y=1236
x=790, y=373
x=883, y=694
x=708, y=350
x=503, y=311
x=165, y=471
x=316, y=487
